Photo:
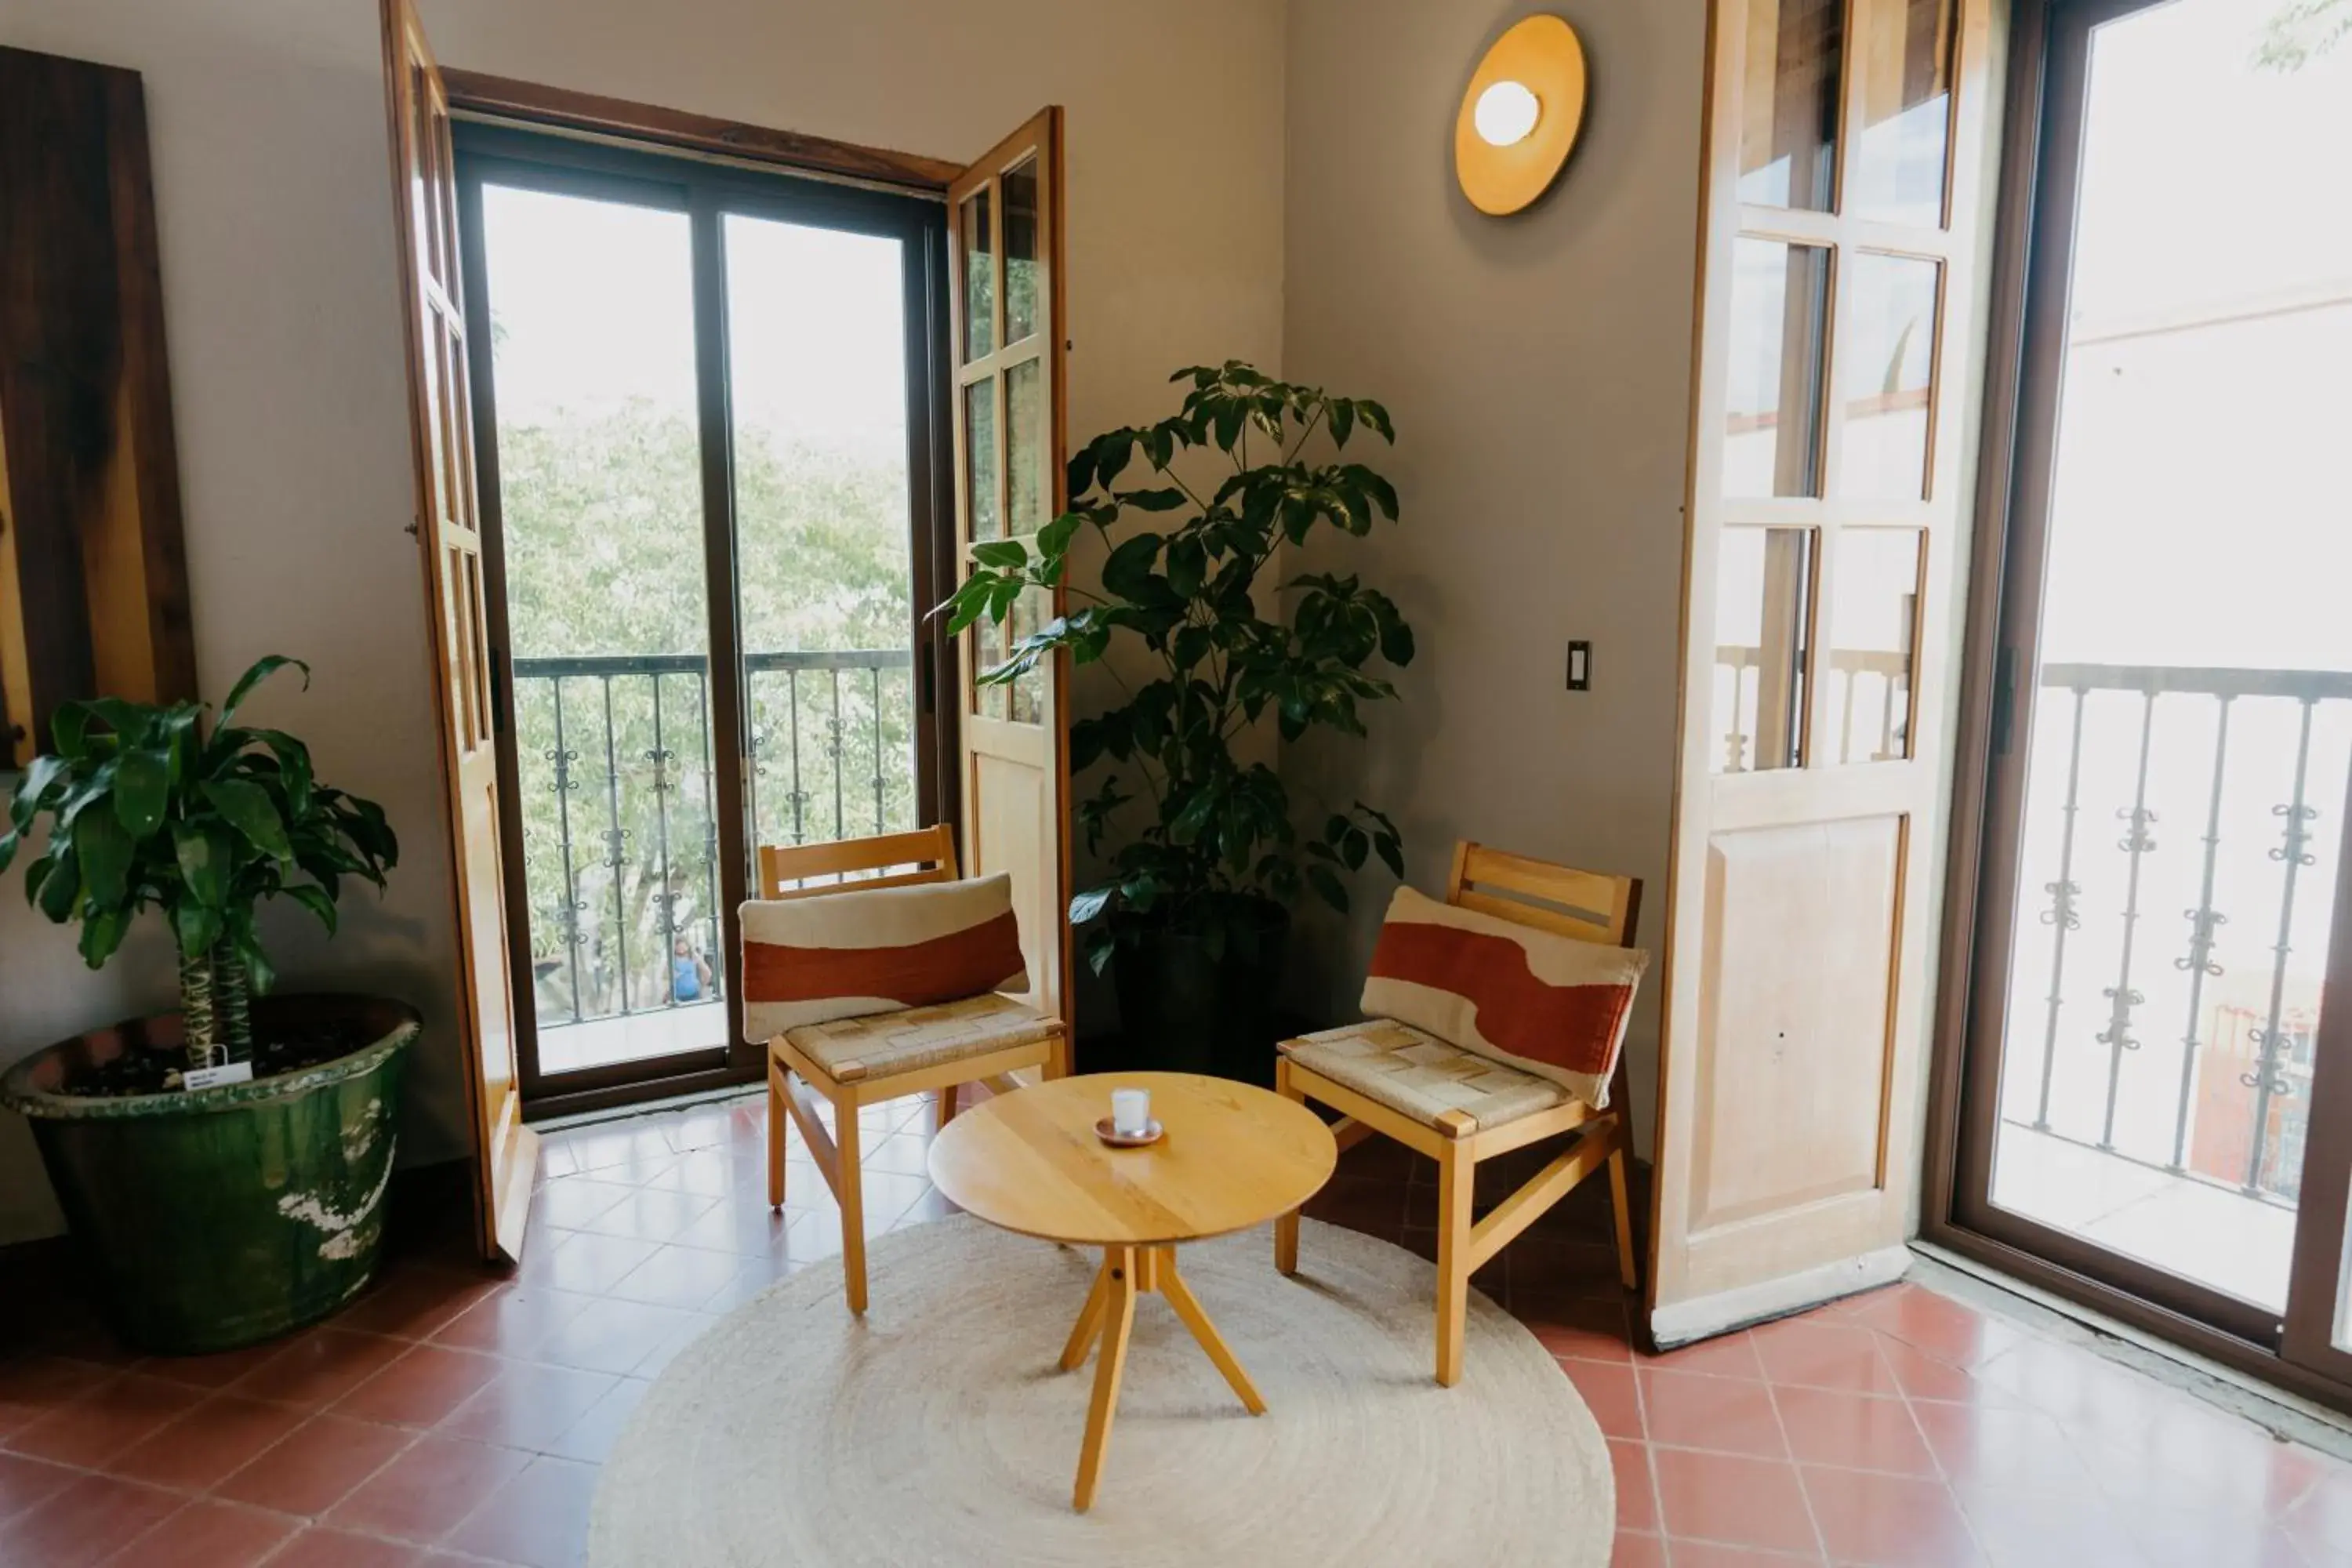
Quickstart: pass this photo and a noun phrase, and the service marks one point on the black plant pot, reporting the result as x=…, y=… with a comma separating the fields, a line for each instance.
x=1182, y=1010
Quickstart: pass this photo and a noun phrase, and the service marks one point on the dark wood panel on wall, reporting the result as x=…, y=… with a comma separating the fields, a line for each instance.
x=94, y=575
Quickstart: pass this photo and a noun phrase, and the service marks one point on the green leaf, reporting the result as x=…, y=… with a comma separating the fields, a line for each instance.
x=207, y=858
x=8, y=842
x=102, y=931
x=1341, y=417
x=1164, y=499
x=263, y=669
x=293, y=769
x=62, y=888
x=129, y=721
x=1326, y=882
x=142, y=783
x=105, y=851
x=1391, y=853
x=1086, y=906
x=194, y=927
x=1006, y=554
x=246, y=808
x=33, y=787
x=68, y=729
x=1188, y=564
x=318, y=901
x=1126, y=568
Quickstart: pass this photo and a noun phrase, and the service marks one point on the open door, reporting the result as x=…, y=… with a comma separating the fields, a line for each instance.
x=1830, y=485
x=425, y=203
x=1005, y=238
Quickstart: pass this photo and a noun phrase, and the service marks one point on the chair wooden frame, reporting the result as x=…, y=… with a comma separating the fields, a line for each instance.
x=1585, y=905
x=903, y=860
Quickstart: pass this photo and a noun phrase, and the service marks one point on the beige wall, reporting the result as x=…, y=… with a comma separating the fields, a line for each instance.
x=282, y=308
x=1539, y=369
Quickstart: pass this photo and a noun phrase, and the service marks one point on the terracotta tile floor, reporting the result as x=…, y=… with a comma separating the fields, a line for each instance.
x=453, y=1416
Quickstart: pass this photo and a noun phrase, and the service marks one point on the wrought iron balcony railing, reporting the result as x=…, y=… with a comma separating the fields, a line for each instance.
x=2224, y=1101
x=619, y=824
x=2239, y=1104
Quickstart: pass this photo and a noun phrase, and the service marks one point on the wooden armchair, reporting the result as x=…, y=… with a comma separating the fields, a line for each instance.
x=1363, y=1071
x=887, y=1052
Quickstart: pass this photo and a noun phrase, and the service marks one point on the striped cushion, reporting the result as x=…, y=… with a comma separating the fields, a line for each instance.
x=856, y=953
x=1546, y=1003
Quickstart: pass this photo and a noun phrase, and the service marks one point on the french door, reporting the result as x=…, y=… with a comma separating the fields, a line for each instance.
x=2154, y=1083
x=1845, y=149
x=706, y=410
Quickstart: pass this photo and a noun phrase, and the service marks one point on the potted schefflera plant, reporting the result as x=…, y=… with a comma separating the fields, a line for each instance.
x=1194, y=921
x=222, y=1168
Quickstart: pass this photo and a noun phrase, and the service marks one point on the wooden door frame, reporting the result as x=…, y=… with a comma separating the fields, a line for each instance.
x=2036, y=207
x=706, y=190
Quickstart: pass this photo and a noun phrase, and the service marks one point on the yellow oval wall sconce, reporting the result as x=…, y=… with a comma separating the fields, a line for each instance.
x=1520, y=115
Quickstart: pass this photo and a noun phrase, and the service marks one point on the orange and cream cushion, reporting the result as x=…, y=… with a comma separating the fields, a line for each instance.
x=1541, y=1003
x=885, y=1043
x=857, y=953
x=1416, y=1074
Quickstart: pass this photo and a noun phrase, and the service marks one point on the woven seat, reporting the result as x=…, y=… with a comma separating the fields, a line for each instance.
x=1416, y=1074
x=886, y=1043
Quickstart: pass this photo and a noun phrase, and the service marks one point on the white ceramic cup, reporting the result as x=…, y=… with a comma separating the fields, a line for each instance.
x=1130, y=1111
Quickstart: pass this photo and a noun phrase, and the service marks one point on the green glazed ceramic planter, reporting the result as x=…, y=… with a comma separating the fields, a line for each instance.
x=223, y=1217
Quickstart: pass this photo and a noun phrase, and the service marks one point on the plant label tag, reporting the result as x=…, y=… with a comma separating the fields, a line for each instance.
x=213, y=1077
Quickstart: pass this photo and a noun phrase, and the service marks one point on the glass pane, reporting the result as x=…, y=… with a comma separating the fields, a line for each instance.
x=1032, y=610
x=1787, y=135
x=1763, y=586
x=979, y=276
x=1874, y=614
x=817, y=355
x=1025, y=447
x=600, y=490
x=1779, y=309
x=1907, y=112
x=2191, y=715
x=988, y=646
x=1886, y=357
x=980, y=459
x=1022, y=268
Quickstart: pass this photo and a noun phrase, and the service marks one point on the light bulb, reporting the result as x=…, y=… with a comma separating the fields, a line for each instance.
x=1506, y=114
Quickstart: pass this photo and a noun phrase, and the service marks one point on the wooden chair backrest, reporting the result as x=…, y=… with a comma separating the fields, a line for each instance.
x=1589, y=906
x=928, y=855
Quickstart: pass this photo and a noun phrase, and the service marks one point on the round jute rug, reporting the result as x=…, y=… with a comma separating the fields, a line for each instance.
x=939, y=1431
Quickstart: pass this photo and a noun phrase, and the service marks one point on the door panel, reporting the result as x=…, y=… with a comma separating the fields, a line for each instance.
x=1009, y=416
x=449, y=536
x=1841, y=231
x=1801, y=1046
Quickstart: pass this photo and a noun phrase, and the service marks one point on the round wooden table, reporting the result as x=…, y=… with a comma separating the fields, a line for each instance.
x=1232, y=1155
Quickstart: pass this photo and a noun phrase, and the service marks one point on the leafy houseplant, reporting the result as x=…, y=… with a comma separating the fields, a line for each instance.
x=147, y=810
x=213, y=1213
x=1217, y=857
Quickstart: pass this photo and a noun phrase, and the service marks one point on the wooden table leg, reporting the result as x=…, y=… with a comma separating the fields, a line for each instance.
x=1188, y=1306
x=1090, y=1317
x=1118, y=1265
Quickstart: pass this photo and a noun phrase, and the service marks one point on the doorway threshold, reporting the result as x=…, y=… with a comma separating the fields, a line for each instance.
x=2283, y=1414
x=631, y=1111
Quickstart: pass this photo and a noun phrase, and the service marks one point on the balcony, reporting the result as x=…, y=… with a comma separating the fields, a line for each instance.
x=2179, y=848
x=2165, y=988
x=621, y=839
